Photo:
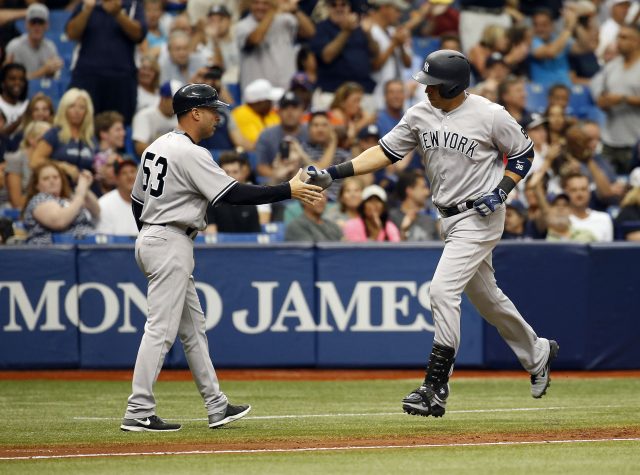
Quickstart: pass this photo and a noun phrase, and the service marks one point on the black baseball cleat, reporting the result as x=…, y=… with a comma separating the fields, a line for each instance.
x=231, y=413
x=425, y=401
x=542, y=380
x=148, y=424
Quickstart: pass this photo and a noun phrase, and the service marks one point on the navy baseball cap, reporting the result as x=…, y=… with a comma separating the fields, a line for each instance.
x=371, y=130
x=219, y=10
x=289, y=99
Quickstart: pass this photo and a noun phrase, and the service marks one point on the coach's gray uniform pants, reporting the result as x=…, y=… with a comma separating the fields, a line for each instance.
x=465, y=266
x=165, y=256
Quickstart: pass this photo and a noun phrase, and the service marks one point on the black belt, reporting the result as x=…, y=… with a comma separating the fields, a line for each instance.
x=453, y=210
x=188, y=231
x=490, y=11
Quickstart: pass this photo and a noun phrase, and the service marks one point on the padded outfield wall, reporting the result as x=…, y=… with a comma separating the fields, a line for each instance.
x=331, y=305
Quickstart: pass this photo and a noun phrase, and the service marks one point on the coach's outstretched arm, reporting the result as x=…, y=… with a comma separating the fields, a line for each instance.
x=247, y=194
x=370, y=160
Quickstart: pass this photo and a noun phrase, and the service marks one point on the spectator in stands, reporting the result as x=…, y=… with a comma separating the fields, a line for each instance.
x=494, y=40
x=618, y=10
x=559, y=95
x=180, y=64
x=221, y=43
x=226, y=218
x=628, y=220
x=550, y=52
x=321, y=146
x=476, y=15
x=266, y=39
x=373, y=223
x=583, y=62
x=152, y=122
x=537, y=131
x=535, y=226
x=70, y=141
x=393, y=44
x=40, y=107
x=36, y=53
x=18, y=170
x=513, y=96
x=411, y=216
x=558, y=222
x=450, y=41
x=272, y=139
x=116, y=217
x=615, y=89
x=389, y=116
x=515, y=220
x=346, y=51
x=349, y=198
x=108, y=32
x=576, y=186
x=148, y=83
x=434, y=18
x=13, y=96
x=496, y=71
x=302, y=87
x=347, y=110
x=557, y=124
x=307, y=64
x=110, y=132
x=520, y=37
x=155, y=39
x=52, y=208
x=257, y=113
x=310, y=226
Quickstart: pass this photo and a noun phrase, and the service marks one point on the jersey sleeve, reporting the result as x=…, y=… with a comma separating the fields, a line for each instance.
x=399, y=141
x=207, y=177
x=509, y=137
x=137, y=193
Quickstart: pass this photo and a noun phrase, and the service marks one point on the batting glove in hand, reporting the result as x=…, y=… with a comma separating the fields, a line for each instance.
x=489, y=202
x=319, y=178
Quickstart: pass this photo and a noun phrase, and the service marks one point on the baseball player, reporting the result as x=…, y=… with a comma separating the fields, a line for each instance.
x=174, y=185
x=462, y=139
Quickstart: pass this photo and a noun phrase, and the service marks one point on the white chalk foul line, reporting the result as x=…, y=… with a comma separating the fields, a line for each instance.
x=376, y=414
x=321, y=449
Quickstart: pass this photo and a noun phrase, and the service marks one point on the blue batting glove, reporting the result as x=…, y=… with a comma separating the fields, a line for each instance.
x=319, y=178
x=489, y=202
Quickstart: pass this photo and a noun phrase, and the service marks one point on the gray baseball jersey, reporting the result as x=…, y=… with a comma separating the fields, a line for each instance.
x=462, y=150
x=177, y=180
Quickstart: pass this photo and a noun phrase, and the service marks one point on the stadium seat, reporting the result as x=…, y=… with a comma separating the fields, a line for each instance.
x=50, y=87
x=536, y=97
x=12, y=213
x=580, y=101
x=423, y=47
x=234, y=90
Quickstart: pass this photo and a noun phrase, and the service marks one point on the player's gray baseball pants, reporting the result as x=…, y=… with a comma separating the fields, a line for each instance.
x=466, y=266
x=165, y=256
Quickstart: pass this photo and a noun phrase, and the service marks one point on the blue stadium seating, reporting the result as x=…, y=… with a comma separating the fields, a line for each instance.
x=580, y=101
x=422, y=47
x=536, y=97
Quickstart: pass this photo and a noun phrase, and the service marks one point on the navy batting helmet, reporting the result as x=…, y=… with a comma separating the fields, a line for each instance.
x=196, y=95
x=448, y=69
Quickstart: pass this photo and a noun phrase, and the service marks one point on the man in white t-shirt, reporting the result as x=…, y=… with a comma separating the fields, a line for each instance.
x=116, y=217
x=394, y=55
x=152, y=122
x=576, y=186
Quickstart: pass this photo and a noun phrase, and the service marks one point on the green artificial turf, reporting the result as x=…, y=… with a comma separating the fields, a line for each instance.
x=37, y=414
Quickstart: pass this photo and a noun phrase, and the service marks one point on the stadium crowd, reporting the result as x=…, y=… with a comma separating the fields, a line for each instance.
x=86, y=86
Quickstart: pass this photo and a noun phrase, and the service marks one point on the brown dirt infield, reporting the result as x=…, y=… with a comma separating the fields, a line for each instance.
x=129, y=446
x=260, y=374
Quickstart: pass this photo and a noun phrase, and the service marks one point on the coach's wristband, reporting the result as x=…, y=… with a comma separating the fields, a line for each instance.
x=342, y=170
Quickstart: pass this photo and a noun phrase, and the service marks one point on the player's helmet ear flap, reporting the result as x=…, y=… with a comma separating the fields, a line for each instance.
x=196, y=95
x=448, y=69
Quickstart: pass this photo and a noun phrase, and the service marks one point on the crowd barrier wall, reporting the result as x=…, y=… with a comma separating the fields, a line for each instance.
x=330, y=305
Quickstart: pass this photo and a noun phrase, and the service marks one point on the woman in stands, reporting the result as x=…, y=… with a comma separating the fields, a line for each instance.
x=18, y=169
x=372, y=223
x=70, y=141
x=628, y=220
x=349, y=199
x=52, y=208
x=40, y=108
x=346, y=110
